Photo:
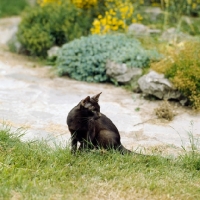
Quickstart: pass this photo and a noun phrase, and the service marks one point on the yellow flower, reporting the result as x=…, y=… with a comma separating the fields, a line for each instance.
x=194, y=5
x=139, y=17
x=84, y=3
x=96, y=22
x=134, y=20
x=44, y=2
x=100, y=16
x=116, y=17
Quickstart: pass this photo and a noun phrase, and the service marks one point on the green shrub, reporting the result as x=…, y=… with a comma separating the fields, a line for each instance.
x=12, y=7
x=85, y=59
x=191, y=25
x=52, y=24
x=183, y=69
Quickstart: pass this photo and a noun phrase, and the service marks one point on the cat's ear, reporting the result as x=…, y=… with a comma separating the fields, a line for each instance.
x=95, y=98
x=85, y=102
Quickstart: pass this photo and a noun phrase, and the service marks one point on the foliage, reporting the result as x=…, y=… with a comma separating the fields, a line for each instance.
x=182, y=14
x=190, y=25
x=183, y=7
x=183, y=69
x=34, y=170
x=85, y=59
x=165, y=111
x=12, y=7
x=44, y=2
x=118, y=15
x=51, y=24
x=85, y=4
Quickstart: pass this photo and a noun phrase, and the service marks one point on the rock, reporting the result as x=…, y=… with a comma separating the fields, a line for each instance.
x=8, y=29
x=14, y=44
x=10, y=37
x=53, y=52
x=32, y=2
x=173, y=35
x=140, y=29
x=121, y=73
x=157, y=85
x=153, y=13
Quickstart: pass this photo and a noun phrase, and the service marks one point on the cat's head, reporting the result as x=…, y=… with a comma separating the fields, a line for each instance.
x=90, y=107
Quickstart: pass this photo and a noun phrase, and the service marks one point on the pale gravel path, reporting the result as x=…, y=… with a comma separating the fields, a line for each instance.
x=33, y=98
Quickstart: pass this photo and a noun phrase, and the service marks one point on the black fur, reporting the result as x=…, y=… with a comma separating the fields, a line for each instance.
x=92, y=128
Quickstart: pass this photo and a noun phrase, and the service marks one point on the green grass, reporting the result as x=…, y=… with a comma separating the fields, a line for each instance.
x=12, y=7
x=33, y=170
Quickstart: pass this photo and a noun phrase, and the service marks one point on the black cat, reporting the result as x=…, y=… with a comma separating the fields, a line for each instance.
x=92, y=128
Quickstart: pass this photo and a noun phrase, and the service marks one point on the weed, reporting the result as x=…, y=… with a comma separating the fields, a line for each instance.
x=165, y=111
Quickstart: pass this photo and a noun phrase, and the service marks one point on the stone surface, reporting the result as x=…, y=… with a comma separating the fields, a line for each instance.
x=53, y=51
x=157, y=85
x=14, y=44
x=121, y=73
x=153, y=13
x=140, y=29
x=173, y=35
x=33, y=98
x=8, y=28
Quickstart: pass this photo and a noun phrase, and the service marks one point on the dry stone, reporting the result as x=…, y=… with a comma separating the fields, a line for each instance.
x=121, y=73
x=157, y=85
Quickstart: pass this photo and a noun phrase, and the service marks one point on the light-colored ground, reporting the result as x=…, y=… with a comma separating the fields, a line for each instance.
x=33, y=98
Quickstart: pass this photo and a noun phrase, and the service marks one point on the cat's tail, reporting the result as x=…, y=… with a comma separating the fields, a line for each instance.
x=124, y=151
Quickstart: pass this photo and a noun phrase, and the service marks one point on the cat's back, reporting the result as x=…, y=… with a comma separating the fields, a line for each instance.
x=72, y=116
x=104, y=123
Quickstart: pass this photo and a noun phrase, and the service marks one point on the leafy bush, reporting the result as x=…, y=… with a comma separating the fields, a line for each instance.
x=51, y=24
x=183, y=69
x=85, y=59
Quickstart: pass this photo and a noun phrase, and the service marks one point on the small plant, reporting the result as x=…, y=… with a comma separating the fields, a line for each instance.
x=183, y=69
x=85, y=59
x=51, y=24
x=165, y=111
x=137, y=109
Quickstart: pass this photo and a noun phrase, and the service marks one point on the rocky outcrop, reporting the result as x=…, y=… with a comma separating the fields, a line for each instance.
x=140, y=29
x=157, y=85
x=121, y=73
x=173, y=35
x=53, y=52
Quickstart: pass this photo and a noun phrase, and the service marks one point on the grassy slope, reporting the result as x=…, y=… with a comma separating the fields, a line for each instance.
x=12, y=7
x=36, y=171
